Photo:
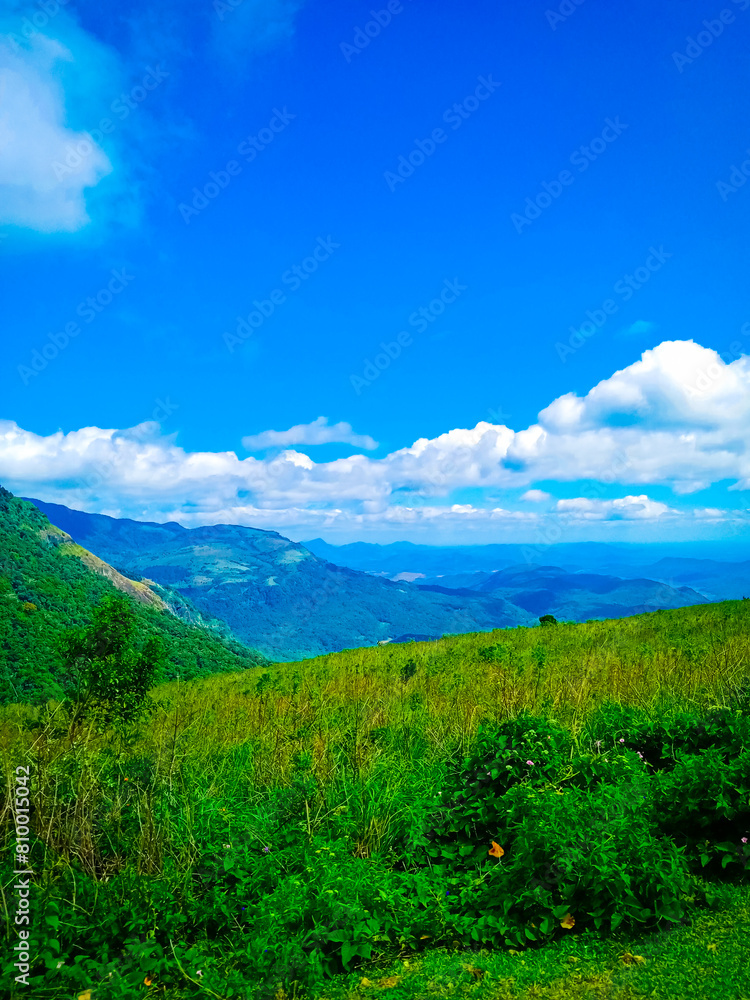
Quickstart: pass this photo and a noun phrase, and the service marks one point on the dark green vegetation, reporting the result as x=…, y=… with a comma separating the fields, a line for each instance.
x=48, y=583
x=105, y=676
x=539, y=812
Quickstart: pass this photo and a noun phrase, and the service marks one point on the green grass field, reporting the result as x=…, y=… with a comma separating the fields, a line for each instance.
x=324, y=829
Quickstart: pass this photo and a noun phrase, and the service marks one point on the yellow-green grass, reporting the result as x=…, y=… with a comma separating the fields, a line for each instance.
x=687, y=659
x=386, y=722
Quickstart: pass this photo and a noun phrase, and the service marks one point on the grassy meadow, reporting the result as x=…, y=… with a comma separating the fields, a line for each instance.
x=549, y=812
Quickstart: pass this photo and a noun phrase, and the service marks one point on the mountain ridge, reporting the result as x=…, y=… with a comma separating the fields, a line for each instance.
x=274, y=594
x=278, y=596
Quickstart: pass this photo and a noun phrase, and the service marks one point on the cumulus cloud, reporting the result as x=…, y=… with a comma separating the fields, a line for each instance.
x=317, y=432
x=678, y=417
x=34, y=137
x=629, y=508
x=536, y=496
x=677, y=385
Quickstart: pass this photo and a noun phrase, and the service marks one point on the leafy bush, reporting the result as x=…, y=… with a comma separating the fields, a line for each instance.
x=704, y=804
x=660, y=743
x=104, y=674
x=572, y=858
x=507, y=839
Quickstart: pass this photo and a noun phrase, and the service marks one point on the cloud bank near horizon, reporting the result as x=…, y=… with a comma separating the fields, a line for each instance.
x=676, y=419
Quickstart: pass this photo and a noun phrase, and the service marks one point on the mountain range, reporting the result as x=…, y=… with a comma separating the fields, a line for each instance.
x=413, y=561
x=274, y=594
x=289, y=602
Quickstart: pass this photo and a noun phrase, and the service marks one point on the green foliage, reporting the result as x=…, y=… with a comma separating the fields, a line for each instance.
x=271, y=830
x=575, y=834
x=704, y=804
x=408, y=670
x=45, y=588
x=660, y=742
x=590, y=855
x=104, y=674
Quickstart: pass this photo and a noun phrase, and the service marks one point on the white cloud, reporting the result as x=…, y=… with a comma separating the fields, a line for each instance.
x=678, y=384
x=646, y=425
x=317, y=432
x=35, y=142
x=629, y=508
x=536, y=496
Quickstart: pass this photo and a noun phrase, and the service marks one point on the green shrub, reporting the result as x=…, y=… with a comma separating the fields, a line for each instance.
x=704, y=805
x=661, y=742
x=593, y=856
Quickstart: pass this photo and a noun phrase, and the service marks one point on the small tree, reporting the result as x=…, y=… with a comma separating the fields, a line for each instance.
x=106, y=675
x=548, y=620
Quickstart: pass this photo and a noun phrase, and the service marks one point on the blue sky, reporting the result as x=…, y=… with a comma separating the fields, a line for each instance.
x=556, y=169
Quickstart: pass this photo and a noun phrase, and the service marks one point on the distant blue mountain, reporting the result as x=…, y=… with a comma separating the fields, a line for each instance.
x=719, y=581
x=274, y=594
x=289, y=601
x=565, y=590
x=544, y=590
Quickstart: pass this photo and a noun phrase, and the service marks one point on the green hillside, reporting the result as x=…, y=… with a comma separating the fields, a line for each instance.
x=48, y=583
x=550, y=812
